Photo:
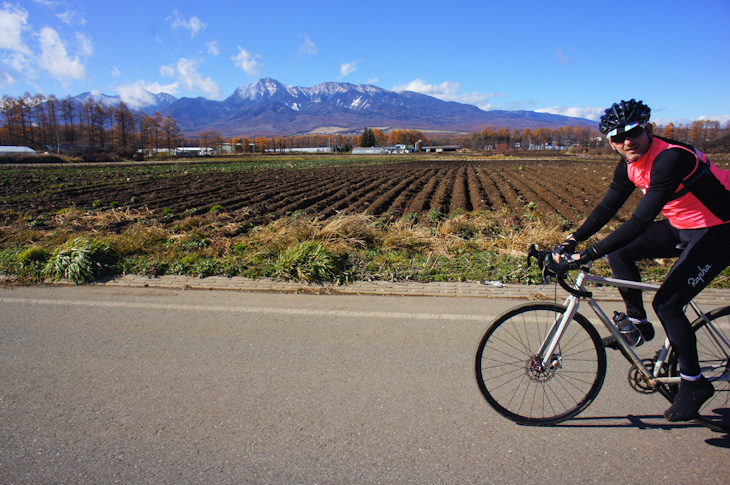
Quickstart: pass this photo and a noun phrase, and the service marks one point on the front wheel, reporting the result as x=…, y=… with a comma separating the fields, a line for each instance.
x=714, y=355
x=512, y=378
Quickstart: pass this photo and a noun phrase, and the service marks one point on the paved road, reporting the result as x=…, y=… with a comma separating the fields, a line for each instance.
x=104, y=384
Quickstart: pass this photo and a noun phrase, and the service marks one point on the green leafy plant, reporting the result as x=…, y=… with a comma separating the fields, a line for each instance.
x=434, y=216
x=80, y=261
x=33, y=256
x=307, y=261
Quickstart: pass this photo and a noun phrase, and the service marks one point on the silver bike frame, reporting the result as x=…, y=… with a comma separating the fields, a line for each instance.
x=572, y=303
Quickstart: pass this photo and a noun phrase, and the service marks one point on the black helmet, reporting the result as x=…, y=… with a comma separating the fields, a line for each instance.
x=623, y=116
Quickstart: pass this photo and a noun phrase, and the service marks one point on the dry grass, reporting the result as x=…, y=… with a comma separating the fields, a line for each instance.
x=468, y=245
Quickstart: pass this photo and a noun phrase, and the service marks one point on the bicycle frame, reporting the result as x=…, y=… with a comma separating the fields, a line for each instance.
x=572, y=303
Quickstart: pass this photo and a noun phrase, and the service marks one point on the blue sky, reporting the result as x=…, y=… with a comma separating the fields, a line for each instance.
x=567, y=57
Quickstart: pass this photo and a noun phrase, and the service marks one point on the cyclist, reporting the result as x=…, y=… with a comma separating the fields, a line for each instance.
x=694, y=196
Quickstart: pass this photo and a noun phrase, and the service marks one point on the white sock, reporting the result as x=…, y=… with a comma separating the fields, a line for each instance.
x=637, y=320
x=691, y=378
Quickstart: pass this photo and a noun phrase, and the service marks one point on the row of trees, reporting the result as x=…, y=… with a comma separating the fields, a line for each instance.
x=704, y=134
x=45, y=122
x=490, y=138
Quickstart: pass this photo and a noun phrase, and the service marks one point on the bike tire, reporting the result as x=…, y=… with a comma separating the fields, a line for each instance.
x=715, y=362
x=511, y=384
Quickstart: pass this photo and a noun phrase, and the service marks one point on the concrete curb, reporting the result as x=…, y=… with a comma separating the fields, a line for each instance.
x=710, y=296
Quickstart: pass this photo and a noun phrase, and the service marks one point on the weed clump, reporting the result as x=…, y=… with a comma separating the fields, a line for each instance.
x=309, y=261
x=80, y=261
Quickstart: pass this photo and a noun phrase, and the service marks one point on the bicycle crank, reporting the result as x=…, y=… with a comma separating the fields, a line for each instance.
x=639, y=382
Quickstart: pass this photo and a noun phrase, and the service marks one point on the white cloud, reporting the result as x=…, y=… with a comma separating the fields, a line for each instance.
x=450, y=91
x=55, y=59
x=307, y=47
x=564, y=57
x=721, y=118
x=140, y=93
x=168, y=71
x=157, y=88
x=86, y=48
x=6, y=79
x=13, y=21
x=186, y=71
x=194, y=25
x=116, y=72
x=250, y=63
x=67, y=16
x=347, y=68
x=135, y=95
x=71, y=17
x=213, y=48
x=586, y=112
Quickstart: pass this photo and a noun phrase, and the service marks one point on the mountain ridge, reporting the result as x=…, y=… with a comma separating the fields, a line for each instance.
x=271, y=108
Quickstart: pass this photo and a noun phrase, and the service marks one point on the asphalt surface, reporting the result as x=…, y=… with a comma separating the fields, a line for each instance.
x=152, y=381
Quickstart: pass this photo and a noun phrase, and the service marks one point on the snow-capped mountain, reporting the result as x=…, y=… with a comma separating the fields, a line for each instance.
x=268, y=108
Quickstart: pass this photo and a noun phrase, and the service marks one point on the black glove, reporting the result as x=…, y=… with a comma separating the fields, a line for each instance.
x=567, y=247
x=566, y=262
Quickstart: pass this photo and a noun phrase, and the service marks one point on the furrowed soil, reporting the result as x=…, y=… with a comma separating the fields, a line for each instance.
x=567, y=188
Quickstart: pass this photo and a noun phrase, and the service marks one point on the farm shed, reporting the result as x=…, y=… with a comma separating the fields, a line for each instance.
x=444, y=148
x=300, y=150
x=369, y=150
x=11, y=150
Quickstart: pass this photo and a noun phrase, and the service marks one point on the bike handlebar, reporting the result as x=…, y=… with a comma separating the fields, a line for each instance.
x=551, y=268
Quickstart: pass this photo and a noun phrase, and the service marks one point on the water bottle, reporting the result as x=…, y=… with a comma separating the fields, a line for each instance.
x=628, y=330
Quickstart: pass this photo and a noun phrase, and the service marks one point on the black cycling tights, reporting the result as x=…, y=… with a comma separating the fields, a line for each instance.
x=702, y=253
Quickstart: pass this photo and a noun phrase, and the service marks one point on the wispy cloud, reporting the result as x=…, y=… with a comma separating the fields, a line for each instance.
x=564, y=57
x=186, y=71
x=55, y=58
x=450, y=91
x=250, y=63
x=63, y=60
x=139, y=94
x=347, y=68
x=194, y=25
x=307, y=47
x=13, y=22
x=586, y=112
x=63, y=11
x=213, y=48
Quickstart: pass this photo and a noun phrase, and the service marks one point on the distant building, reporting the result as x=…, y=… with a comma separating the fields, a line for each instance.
x=369, y=150
x=193, y=151
x=439, y=149
x=300, y=150
x=13, y=150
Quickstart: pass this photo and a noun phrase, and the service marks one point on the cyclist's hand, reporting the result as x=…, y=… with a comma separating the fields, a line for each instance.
x=560, y=263
x=566, y=262
x=566, y=247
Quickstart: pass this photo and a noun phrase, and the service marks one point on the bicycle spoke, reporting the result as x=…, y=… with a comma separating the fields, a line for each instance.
x=520, y=385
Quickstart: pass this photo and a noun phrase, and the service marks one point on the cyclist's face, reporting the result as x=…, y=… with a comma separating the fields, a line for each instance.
x=633, y=148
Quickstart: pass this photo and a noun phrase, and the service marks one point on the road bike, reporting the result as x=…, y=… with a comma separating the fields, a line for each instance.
x=542, y=363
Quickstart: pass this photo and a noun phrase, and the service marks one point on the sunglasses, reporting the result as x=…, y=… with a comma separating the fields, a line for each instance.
x=632, y=133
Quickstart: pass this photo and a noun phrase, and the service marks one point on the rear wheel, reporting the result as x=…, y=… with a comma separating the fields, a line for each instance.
x=512, y=378
x=714, y=355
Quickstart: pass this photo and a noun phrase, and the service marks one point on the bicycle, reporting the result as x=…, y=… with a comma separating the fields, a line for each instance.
x=543, y=363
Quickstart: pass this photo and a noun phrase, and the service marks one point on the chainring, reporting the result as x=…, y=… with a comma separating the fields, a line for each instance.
x=638, y=382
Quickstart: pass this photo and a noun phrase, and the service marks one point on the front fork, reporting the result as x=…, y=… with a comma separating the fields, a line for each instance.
x=547, y=353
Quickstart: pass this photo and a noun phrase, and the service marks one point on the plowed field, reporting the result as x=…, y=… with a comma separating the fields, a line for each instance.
x=569, y=188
